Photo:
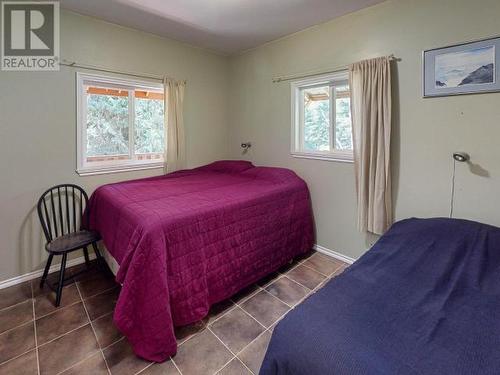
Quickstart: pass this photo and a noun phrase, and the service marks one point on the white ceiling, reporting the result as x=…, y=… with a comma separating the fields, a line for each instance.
x=226, y=26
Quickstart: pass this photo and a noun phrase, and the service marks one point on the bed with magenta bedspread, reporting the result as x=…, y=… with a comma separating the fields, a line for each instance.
x=424, y=300
x=189, y=239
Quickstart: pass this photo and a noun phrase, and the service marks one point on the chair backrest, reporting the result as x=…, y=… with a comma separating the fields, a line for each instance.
x=61, y=210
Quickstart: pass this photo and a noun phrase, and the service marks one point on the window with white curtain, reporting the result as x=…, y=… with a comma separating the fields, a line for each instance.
x=321, y=118
x=120, y=124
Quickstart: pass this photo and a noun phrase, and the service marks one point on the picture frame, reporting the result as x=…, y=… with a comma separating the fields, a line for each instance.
x=461, y=69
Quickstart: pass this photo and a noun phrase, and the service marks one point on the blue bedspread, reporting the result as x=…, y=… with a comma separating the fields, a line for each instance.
x=424, y=300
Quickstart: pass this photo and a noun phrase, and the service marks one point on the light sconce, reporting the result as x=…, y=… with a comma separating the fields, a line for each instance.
x=245, y=146
x=461, y=156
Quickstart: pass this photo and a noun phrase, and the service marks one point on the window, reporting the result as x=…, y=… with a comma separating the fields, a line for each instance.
x=120, y=124
x=321, y=118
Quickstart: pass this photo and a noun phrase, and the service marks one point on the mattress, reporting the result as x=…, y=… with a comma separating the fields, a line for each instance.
x=424, y=300
x=189, y=239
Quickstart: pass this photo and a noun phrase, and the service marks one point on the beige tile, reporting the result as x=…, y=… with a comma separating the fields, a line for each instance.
x=235, y=367
x=122, y=360
x=306, y=276
x=94, y=365
x=287, y=290
x=67, y=350
x=236, y=329
x=265, y=308
x=16, y=315
x=17, y=341
x=106, y=331
x=201, y=355
x=25, y=364
x=60, y=322
x=254, y=354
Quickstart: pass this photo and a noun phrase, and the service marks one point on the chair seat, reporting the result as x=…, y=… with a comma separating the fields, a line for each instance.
x=72, y=241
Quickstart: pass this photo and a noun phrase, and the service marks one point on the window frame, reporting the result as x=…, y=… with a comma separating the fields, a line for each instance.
x=82, y=167
x=297, y=116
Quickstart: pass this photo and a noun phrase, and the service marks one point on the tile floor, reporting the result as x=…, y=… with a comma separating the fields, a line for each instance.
x=79, y=337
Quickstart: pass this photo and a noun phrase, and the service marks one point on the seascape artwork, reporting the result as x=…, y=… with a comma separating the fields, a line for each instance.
x=473, y=66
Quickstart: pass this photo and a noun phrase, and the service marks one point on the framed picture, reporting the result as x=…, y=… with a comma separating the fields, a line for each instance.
x=468, y=68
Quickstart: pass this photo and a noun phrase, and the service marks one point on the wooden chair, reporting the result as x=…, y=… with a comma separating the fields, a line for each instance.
x=60, y=210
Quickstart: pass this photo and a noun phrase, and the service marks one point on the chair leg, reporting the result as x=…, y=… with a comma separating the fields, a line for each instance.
x=61, y=280
x=46, y=270
x=86, y=255
x=100, y=259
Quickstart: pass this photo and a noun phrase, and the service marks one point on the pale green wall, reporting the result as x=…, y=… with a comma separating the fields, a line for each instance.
x=38, y=122
x=425, y=131
x=233, y=100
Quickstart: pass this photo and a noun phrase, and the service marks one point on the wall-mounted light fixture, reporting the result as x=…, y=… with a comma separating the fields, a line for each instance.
x=461, y=157
x=246, y=146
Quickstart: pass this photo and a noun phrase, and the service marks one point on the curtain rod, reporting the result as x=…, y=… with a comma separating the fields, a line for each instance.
x=74, y=64
x=316, y=73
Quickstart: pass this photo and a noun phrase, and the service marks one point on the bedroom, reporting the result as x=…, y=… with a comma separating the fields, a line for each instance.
x=230, y=99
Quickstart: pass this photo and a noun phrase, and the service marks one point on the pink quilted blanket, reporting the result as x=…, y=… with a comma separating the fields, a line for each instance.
x=189, y=239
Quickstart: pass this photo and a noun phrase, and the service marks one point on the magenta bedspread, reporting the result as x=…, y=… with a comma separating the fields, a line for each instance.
x=192, y=238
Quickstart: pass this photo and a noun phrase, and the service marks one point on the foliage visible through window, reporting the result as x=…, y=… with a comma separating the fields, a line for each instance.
x=121, y=124
x=323, y=118
x=149, y=128
x=107, y=125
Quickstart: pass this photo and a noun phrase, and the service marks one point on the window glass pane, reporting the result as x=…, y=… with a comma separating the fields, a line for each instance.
x=343, y=127
x=107, y=122
x=316, y=103
x=149, y=127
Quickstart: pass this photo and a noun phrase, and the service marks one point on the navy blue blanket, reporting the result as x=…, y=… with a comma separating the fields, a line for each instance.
x=424, y=300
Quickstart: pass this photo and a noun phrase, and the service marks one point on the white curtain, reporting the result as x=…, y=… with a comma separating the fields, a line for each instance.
x=175, y=143
x=370, y=82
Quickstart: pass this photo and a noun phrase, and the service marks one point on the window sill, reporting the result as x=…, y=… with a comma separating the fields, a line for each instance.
x=340, y=157
x=90, y=171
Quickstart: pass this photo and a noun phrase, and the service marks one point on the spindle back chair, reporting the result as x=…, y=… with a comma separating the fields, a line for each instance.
x=61, y=210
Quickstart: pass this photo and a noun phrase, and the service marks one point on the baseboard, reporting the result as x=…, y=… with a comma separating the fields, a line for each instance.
x=33, y=275
x=80, y=260
x=334, y=254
